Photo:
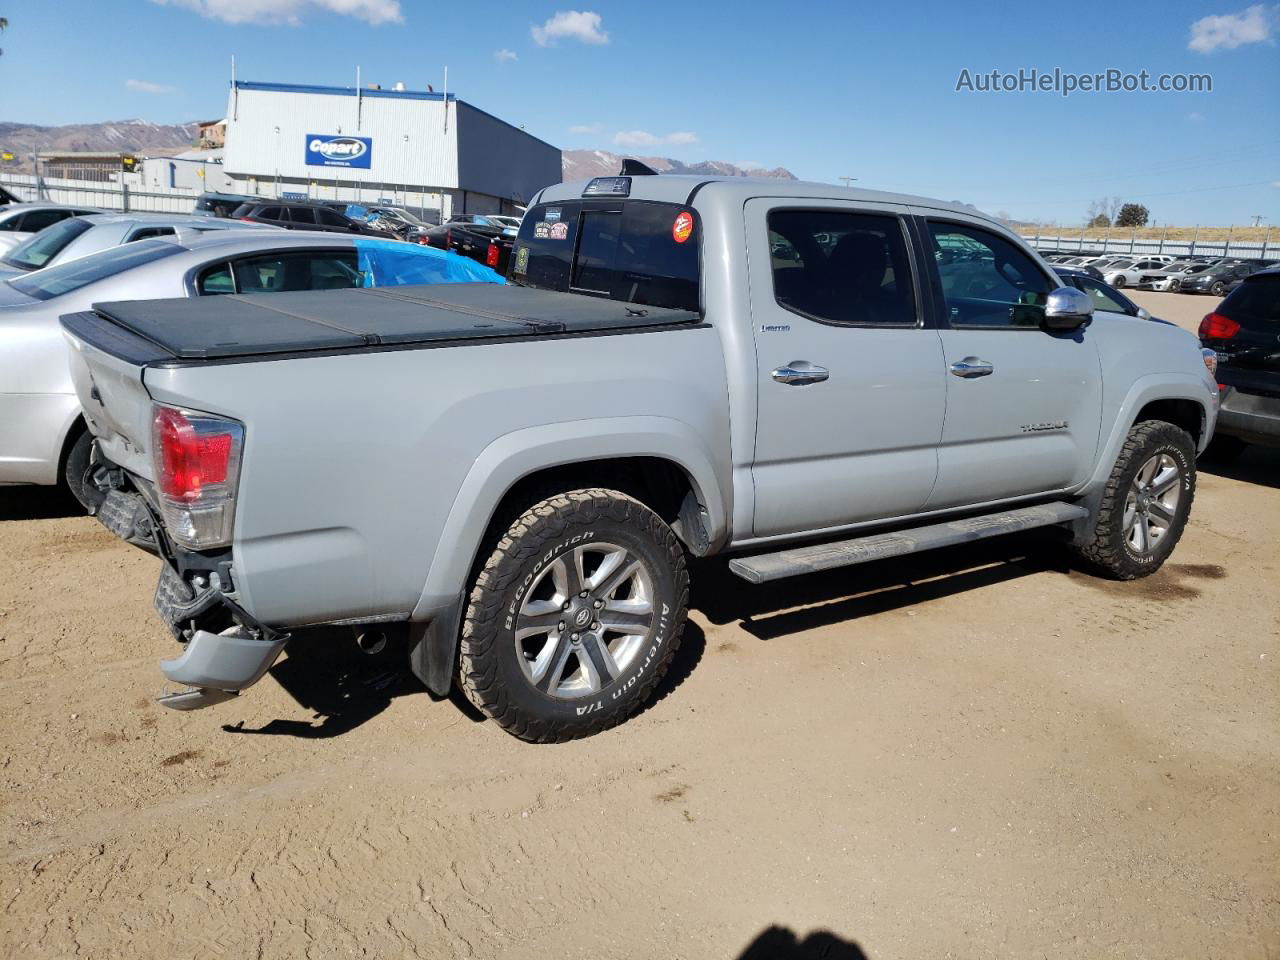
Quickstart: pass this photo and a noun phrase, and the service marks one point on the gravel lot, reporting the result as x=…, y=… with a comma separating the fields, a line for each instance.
x=979, y=752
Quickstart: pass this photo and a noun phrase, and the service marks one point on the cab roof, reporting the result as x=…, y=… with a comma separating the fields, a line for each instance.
x=681, y=188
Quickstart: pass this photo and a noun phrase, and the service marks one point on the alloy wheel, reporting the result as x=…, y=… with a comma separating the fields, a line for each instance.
x=1152, y=503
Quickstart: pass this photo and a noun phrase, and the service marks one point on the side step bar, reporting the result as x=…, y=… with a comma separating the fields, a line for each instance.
x=764, y=567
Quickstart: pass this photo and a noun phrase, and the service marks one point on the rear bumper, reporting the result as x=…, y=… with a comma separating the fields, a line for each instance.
x=1250, y=417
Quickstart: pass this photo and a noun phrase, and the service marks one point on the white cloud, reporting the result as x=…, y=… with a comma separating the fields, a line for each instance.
x=505, y=56
x=1226, y=32
x=289, y=11
x=582, y=128
x=144, y=86
x=1195, y=116
x=643, y=138
x=581, y=25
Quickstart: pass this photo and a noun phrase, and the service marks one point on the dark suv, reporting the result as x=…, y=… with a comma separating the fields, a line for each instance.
x=1218, y=278
x=301, y=216
x=1244, y=331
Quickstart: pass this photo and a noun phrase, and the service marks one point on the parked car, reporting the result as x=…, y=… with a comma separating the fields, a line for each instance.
x=490, y=245
x=214, y=204
x=42, y=435
x=515, y=485
x=1217, y=278
x=77, y=237
x=1244, y=332
x=1171, y=277
x=1104, y=296
x=298, y=215
x=21, y=220
x=1130, y=273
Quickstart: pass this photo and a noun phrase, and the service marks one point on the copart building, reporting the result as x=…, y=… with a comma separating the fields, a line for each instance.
x=419, y=148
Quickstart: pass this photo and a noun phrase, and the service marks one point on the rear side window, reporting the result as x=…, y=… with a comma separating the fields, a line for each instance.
x=987, y=281
x=271, y=213
x=37, y=220
x=839, y=267
x=1255, y=304
x=302, y=215
x=329, y=218
x=146, y=233
x=634, y=251
x=215, y=280
x=284, y=272
x=66, y=277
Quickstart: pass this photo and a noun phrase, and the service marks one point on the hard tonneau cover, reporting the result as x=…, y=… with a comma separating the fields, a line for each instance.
x=262, y=325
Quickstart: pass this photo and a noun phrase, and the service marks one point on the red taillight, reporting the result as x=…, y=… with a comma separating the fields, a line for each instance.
x=491, y=256
x=247, y=220
x=448, y=238
x=1215, y=326
x=189, y=460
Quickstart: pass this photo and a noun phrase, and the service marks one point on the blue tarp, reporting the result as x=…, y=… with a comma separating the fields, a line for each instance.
x=391, y=263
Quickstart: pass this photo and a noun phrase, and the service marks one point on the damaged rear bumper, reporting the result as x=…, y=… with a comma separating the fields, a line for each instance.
x=226, y=649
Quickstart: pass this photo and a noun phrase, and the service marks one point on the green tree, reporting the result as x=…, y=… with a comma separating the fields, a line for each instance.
x=1099, y=220
x=1132, y=215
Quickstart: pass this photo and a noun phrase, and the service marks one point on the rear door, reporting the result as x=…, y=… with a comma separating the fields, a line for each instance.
x=1023, y=405
x=849, y=371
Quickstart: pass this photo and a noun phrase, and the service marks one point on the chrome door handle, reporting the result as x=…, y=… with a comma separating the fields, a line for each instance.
x=971, y=367
x=800, y=373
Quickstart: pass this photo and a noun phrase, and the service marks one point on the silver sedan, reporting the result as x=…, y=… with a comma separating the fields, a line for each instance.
x=42, y=435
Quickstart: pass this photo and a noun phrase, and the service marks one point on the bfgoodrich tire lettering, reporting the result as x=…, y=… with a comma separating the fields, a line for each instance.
x=1141, y=480
x=534, y=593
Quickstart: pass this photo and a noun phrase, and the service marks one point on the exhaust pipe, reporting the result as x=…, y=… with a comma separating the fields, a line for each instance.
x=371, y=642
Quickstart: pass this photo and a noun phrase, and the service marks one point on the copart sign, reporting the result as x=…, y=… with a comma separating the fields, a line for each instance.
x=324, y=150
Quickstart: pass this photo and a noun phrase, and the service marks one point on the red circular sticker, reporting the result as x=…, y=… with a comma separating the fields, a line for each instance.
x=683, y=227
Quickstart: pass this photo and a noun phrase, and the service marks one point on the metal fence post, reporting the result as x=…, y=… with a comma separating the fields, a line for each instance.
x=1193, y=239
x=1226, y=250
x=1265, y=237
x=124, y=197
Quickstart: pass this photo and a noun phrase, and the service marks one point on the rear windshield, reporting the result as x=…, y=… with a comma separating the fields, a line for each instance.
x=44, y=246
x=1255, y=304
x=66, y=277
x=636, y=251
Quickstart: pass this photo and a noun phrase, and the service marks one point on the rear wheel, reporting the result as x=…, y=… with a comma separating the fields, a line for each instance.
x=1173, y=286
x=1145, y=504
x=75, y=469
x=574, y=617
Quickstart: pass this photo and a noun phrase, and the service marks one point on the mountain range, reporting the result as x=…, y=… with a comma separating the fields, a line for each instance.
x=23, y=139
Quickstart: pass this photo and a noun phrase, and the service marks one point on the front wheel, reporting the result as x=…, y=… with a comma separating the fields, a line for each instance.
x=1218, y=288
x=1145, y=504
x=574, y=617
x=1118, y=282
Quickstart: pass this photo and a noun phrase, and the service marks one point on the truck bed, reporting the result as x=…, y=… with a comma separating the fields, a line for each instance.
x=240, y=327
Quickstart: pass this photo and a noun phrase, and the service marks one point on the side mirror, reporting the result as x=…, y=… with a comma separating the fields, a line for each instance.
x=1143, y=314
x=1067, y=309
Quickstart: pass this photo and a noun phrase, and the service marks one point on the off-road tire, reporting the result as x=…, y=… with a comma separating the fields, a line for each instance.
x=489, y=672
x=1106, y=549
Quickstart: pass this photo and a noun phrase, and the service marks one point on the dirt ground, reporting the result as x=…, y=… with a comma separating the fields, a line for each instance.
x=981, y=752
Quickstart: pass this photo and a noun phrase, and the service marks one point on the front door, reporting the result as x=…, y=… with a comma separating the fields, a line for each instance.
x=1023, y=405
x=850, y=388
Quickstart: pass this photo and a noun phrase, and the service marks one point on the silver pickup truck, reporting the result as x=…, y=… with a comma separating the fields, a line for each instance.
x=802, y=376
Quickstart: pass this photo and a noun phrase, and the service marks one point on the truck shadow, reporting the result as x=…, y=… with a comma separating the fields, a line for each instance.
x=771, y=610
x=37, y=503
x=780, y=943
x=1260, y=465
x=344, y=688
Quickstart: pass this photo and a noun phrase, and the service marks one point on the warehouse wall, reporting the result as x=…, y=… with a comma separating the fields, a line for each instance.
x=500, y=160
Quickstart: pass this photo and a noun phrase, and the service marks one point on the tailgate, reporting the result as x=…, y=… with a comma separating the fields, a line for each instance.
x=115, y=402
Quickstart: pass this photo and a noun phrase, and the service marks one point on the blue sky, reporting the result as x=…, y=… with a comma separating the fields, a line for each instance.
x=825, y=89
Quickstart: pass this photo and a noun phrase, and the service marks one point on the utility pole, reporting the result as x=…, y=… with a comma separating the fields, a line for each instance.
x=847, y=180
x=1257, y=219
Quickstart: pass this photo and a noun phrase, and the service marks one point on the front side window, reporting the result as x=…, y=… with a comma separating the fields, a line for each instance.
x=302, y=215
x=633, y=251
x=284, y=272
x=215, y=280
x=841, y=267
x=329, y=218
x=987, y=281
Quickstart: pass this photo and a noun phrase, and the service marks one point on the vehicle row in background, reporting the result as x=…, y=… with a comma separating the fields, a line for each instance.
x=1212, y=275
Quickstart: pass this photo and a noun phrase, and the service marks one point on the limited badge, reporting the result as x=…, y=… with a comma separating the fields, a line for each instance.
x=541, y=230
x=522, y=261
x=683, y=227
x=559, y=230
